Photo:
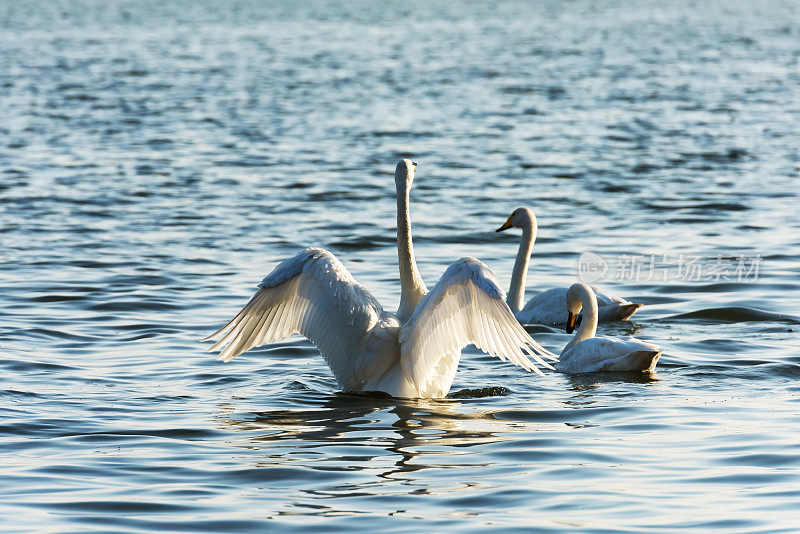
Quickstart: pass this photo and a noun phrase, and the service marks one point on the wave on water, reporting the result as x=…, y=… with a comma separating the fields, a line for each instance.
x=151, y=174
x=730, y=314
x=479, y=393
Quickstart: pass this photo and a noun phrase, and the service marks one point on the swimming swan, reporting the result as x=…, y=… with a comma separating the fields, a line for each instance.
x=548, y=306
x=589, y=354
x=413, y=353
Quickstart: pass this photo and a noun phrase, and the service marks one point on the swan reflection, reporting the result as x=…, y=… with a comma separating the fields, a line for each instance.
x=347, y=432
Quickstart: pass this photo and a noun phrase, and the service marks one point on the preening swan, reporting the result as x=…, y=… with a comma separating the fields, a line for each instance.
x=548, y=306
x=589, y=354
x=413, y=353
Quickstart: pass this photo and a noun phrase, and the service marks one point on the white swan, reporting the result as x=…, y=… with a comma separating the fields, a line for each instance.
x=589, y=354
x=413, y=353
x=547, y=307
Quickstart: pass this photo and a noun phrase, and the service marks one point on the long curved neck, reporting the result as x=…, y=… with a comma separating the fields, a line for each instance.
x=412, y=288
x=588, y=325
x=516, y=293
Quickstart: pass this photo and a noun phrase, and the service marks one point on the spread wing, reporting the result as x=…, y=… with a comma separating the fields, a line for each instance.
x=465, y=306
x=315, y=295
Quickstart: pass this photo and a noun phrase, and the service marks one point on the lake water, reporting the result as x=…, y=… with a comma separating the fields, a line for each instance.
x=157, y=160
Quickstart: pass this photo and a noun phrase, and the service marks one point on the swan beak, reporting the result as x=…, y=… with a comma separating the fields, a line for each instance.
x=506, y=225
x=571, y=322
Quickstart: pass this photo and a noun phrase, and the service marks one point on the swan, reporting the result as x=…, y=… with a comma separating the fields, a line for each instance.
x=547, y=307
x=589, y=354
x=411, y=353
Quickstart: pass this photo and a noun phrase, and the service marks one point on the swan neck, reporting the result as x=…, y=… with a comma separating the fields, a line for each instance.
x=588, y=325
x=412, y=288
x=516, y=293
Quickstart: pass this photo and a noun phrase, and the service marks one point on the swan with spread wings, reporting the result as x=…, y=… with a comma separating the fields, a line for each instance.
x=411, y=353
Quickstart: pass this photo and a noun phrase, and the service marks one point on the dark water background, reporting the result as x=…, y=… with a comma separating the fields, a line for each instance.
x=157, y=160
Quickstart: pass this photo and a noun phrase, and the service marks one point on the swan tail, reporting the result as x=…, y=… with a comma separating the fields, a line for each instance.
x=646, y=360
x=617, y=313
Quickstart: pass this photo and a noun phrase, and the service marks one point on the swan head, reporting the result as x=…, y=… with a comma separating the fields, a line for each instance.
x=404, y=172
x=519, y=218
x=575, y=295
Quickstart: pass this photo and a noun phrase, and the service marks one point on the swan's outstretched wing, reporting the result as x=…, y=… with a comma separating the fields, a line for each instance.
x=465, y=306
x=314, y=294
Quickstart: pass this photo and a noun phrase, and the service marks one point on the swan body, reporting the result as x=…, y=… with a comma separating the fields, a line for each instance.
x=547, y=307
x=411, y=353
x=588, y=354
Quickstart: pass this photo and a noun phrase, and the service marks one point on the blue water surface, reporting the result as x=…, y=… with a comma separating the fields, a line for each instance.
x=157, y=159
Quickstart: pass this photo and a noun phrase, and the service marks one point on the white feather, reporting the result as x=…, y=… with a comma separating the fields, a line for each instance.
x=589, y=354
x=465, y=306
x=313, y=294
x=608, y=354
x=547, y=308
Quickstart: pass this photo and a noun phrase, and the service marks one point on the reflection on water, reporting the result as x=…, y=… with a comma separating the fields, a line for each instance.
x=589, y=381
x=409, y=431
x=398, y=444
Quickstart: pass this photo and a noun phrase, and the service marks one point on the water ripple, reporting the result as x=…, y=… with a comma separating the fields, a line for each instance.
x=159, y=158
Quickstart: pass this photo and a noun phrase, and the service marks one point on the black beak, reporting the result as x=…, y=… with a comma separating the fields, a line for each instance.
x=506, y=225
x=414, y=163
x=571, y=321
